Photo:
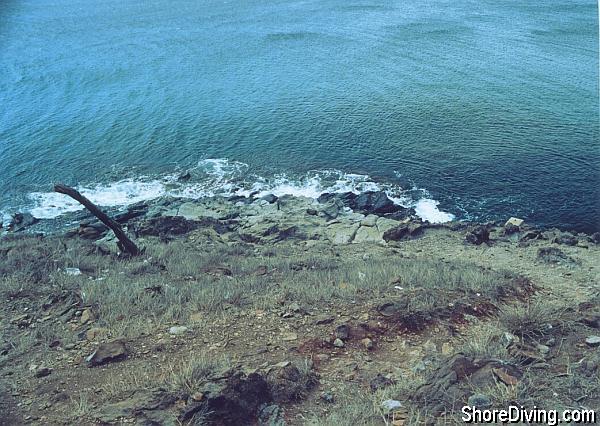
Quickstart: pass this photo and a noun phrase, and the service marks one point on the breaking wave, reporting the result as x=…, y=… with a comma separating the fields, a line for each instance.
x=212, y=177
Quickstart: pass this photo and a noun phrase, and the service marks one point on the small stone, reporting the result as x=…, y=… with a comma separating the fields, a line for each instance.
x=380, y=382
x=96, y=333
x=288, y=337
x=479, y=400
x=198, y=396
x=86, y=316
x=70, y=346
x=324, y=319
x=178, y=330
x=342, y=332
x=42, y=372
x=327, y=397
x=593, y=341
x=543, y=349
x=338, y=343
x=390, y=405
x=367, y=343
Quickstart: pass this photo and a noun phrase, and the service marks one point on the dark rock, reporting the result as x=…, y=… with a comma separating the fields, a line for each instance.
x=271, y=415
x=592, y=320
x=342, y=332
x=332, y=209
x=595, y=237
x=146, y=405
x=379, y=382
x=478, y=235
x=374, y=202
x=405, y=232
x=566, y=239
x=312, y=212
x=185, y=176
x=133, y=211
x=240, y=198
x=21, y=221
x=42, y=372
x=287, y=383
x=479, y=400
x=453, y=381
x=164, y=226
x=347, y=198
x=107, y=352
x=270, y=198
x=92, y=230
x=233, y=398
x=510, y=229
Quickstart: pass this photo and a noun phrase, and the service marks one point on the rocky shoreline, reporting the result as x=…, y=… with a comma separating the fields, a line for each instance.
x=336, y=218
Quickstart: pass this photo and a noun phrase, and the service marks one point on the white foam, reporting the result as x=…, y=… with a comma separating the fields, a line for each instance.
x=213, y=177
x=427, y=209
x=49, y=205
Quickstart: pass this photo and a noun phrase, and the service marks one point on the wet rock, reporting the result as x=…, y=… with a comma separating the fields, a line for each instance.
x=184, y=177
x=270, y=198
x=478, y=235
x=479, y=400
x=374, y=202
x=107, y=352
x=287, y=383
x=593, y=341
x=379, y=382
x=595, y=238
x=405, y=232
x=21, y=221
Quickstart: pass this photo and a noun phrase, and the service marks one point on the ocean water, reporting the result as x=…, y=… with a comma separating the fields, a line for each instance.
x=473, y=109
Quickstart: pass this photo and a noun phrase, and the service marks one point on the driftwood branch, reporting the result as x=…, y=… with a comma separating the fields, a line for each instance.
x=125, y=244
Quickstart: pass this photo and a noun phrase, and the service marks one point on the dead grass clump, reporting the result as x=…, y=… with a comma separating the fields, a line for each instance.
x=536, y=319
x=190, y=375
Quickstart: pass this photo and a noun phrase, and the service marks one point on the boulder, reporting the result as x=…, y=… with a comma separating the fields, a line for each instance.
x=341, y=233
x=566, y=239
x=514, y=221
x=406, y=231
x=368, y=234
x=478, y=235
x=374, y=202
x=21, y=221
x=107, y=352
x=452, y=383
x=287, y=383
x=270, y=198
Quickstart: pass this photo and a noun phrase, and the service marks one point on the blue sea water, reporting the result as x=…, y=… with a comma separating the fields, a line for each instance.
x=488, y=107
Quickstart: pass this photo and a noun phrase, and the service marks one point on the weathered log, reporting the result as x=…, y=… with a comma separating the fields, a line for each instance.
x=125, y=244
